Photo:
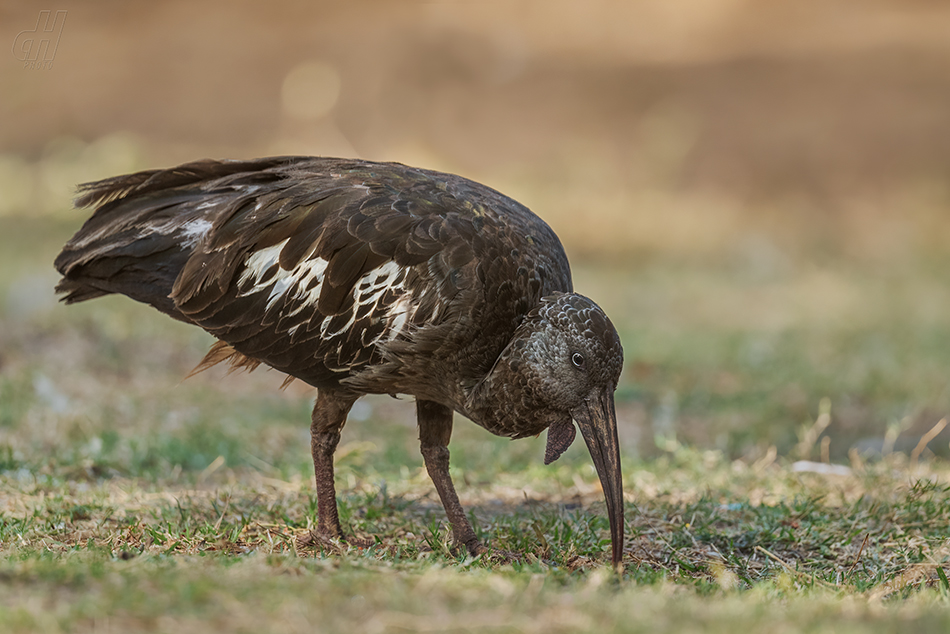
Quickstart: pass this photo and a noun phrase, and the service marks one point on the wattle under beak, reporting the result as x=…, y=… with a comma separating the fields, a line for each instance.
x=597, y=421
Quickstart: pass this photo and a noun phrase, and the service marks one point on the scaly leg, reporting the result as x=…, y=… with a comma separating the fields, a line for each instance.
x=329, y=415
x=435, y=430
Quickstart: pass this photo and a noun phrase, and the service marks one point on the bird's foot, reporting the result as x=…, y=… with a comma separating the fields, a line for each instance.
x=333, y=543
x=493, y=555
x=499, y=556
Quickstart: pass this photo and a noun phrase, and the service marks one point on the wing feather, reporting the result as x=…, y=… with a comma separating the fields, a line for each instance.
x=324, y=267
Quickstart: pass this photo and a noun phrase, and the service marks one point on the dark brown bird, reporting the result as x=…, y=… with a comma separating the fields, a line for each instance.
x=359, y=278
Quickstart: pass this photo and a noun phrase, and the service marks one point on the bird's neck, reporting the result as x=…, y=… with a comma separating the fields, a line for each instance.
x=505, y=401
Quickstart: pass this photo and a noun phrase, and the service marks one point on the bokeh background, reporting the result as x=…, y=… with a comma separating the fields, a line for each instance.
x=757, y=193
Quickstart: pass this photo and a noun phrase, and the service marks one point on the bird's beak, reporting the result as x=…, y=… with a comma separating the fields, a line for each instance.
x=597, y=421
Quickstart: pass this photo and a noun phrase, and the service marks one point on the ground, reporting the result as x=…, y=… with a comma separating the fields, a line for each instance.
x=133, y=500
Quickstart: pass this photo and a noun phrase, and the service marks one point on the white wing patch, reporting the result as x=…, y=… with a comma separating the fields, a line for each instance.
x=187, y=234
x=379, y=295
x=367, y=293
x=400, y=313
x=262, y=272
x=257, y=265
x=194, y=231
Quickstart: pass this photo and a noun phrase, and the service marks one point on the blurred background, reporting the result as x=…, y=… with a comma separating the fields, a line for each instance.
x=757, y=193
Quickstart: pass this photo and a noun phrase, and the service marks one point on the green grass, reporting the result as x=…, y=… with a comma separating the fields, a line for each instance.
x=131, y=500
x=709, y=542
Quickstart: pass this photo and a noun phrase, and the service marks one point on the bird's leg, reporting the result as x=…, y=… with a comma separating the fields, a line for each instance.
x=435, y=430
x=329, y=415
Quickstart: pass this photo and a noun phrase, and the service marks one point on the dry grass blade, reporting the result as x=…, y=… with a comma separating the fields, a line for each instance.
x=857, y=557
x=802, y=576
x=924, y=441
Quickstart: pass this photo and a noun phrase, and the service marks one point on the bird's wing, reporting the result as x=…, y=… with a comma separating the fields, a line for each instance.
x=310, y=272
x=311, y=264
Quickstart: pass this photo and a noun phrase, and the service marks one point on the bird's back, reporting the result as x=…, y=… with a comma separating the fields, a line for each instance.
x=373, y=276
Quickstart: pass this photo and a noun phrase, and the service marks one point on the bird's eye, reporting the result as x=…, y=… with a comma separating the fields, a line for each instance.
x=577, y=359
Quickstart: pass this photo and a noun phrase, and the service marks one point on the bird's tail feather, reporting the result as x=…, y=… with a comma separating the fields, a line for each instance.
x=145, y=227
x=221, y=352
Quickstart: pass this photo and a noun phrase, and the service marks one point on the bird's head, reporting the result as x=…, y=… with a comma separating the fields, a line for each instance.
x=561, y=366
x=573, y=354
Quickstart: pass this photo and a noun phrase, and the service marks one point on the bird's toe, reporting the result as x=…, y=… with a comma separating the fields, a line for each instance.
x=320, y=541
x=493, y=555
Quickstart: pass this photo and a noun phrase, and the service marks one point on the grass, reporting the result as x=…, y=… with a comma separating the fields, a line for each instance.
x=710, y=542
x=131, y=500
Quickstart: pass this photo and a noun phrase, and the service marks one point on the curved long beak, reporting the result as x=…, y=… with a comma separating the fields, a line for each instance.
x=597, y=421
